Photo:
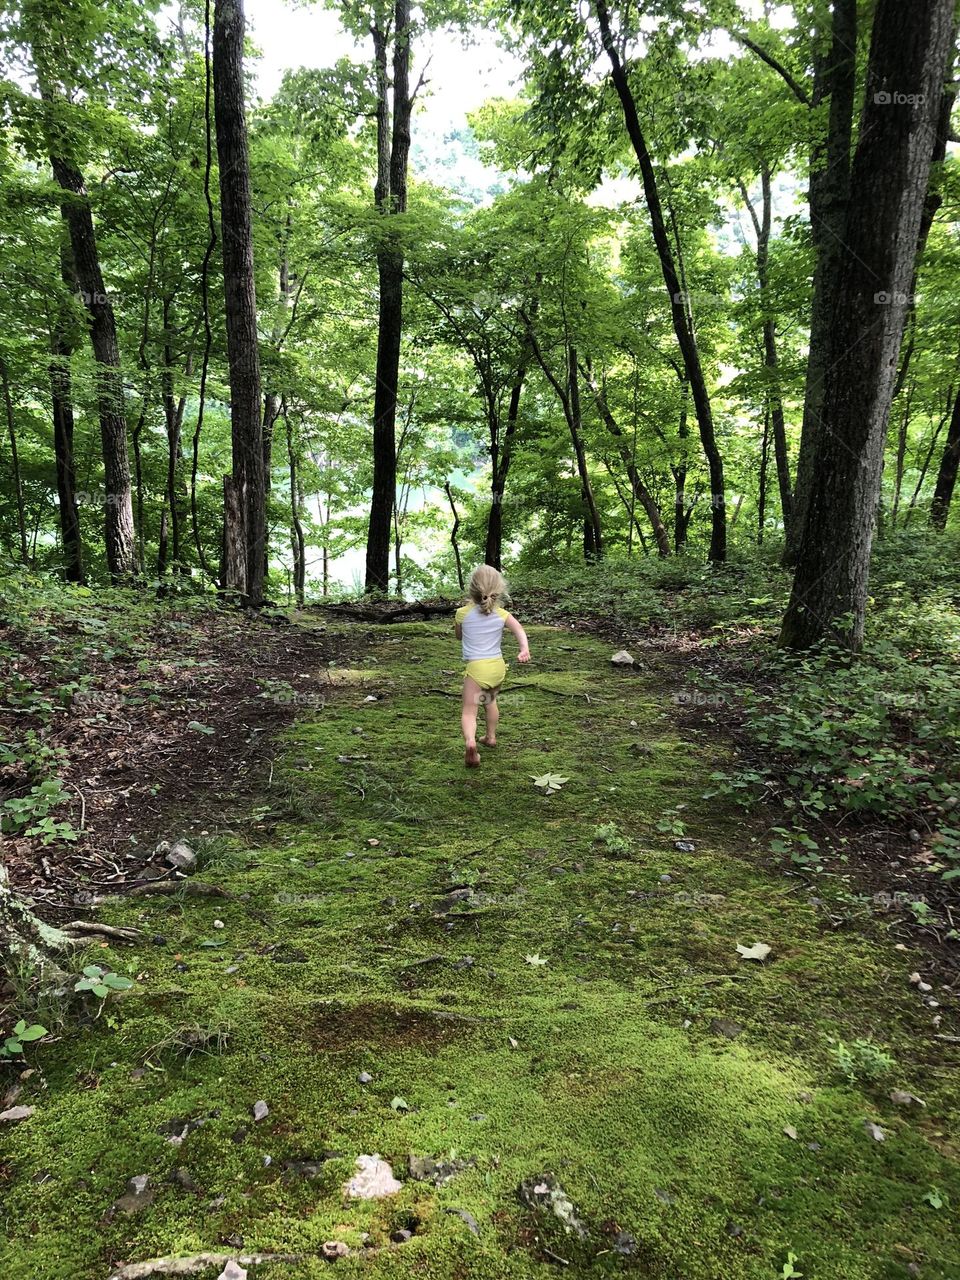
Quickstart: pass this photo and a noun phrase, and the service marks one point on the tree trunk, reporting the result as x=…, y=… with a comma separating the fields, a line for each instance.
x=390, y=196
x=907, y=64
x=119, y=538
x=947, y=475
x=678, y=298
x=14, y=462
x=453, y=535
x=836, y=78
x=298, y=542
x=762, y=497
x=247, y=490
x=61, y=349
x=640, y=491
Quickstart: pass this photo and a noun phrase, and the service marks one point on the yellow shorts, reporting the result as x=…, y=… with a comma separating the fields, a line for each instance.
x=489, y=673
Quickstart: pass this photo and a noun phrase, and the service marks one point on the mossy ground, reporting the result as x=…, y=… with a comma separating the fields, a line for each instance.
x=353, y=954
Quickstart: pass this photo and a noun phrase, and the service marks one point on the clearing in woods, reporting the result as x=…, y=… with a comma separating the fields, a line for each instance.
x=530, y=990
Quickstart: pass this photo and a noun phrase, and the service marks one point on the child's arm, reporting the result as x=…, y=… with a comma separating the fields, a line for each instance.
x=511, y=622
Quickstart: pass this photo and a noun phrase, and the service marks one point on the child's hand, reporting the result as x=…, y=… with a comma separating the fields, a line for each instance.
x=523, y=655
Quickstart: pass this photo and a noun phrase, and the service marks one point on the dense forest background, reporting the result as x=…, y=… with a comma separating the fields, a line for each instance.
x=618, y=344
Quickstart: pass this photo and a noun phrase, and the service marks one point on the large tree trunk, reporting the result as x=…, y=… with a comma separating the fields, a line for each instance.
x=390, y=196
x=836, y=78
x=678, y=298
x=247, y=492
x=908, y=58
x=947, y=475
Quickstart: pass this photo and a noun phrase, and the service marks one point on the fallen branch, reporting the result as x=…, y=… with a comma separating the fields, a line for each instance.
x=192, y=888
x=391, y=611
x=192, y=1266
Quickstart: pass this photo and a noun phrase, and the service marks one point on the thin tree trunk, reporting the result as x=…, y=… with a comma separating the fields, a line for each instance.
x=888, y=183
x=14, y=461
x=640, y=491
x=61, y=349
x=119, y=538
x=247, y=492
x=947, y=474
x=678, y=299
x=762, y=226
x=901, y=457
x=453, y=535
x=762, y=497
x=390, y=197
x=298, y=542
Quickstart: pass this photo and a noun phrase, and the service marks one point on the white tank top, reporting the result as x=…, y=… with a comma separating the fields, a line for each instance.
x=482, y=632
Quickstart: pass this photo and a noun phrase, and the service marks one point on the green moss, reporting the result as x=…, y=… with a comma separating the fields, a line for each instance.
x=386, y=924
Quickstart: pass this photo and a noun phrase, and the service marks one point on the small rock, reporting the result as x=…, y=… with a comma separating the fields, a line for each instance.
x=734, y=1229
x=260, y=1110
x=181, y=1178
x=364, y=1077
x=159, y=940
x=232, y=1271
x=401, y=1236
x=624, y=1243
x=17, y=1113
x=334, y=1249
x=622, y=659
x=136, y=1198
x=218, y=924
x=724, y=1027
x=373, y=1180
x=426, y=1169
x=238, y=1135
x=685, y=846
x=791, y=1132
x=666, y=879
x=874, y=1131
x=181, y=857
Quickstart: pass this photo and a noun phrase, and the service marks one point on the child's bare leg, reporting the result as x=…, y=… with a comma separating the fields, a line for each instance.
x=468, y=720
x=491, y=709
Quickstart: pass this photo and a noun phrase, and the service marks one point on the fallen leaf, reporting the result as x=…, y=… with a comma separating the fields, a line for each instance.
x=549, y=783
x=535, y=959
x=791, y=1132
x=759, y=951
x=901, y=1098
x=400, y=1104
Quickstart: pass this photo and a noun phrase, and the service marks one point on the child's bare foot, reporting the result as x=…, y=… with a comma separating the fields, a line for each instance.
x=472, y=758
x=488, y=741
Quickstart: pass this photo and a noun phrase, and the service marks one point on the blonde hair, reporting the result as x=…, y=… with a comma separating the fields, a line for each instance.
x=487, y=587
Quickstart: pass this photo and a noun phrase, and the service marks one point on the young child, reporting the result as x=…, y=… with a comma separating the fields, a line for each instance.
x=480, y=628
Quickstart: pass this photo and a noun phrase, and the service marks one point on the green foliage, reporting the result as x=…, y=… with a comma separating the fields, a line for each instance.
x=100, y=982
x=23, y=1033
x=612, y=838
x=861, y=1061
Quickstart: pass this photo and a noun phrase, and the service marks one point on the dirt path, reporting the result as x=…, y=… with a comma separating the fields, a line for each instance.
x=530, y=991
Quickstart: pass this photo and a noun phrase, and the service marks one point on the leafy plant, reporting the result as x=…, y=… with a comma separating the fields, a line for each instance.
x=101, y=981
x=862, y=1060
x=610, y=836
x=22, y=1034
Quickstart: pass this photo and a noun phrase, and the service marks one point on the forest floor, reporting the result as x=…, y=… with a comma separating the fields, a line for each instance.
x=531, y=1006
